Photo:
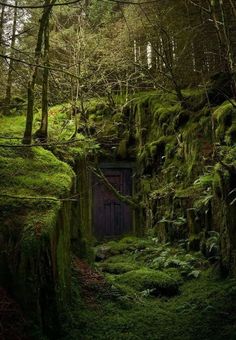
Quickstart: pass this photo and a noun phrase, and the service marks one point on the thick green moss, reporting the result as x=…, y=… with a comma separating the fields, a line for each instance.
x=225, y=119
x=122, y=150
x=143, y=279
x=33, y=172
x=126, y=244
x=224, y=207
x=82, y=211
x=196, y=313
x=117, y=267
x=35, y=227
x=127, y=308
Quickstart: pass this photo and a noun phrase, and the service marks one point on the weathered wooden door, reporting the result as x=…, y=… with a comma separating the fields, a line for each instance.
x=110, y=216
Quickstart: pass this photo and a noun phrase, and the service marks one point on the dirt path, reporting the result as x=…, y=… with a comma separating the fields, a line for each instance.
x=92, y=283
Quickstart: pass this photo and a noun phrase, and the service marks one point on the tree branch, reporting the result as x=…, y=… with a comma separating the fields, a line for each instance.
x=40, y=144
x=38, y=6
x=43, y=198
x=38, y=65
x=126, y=199
x=126, y=2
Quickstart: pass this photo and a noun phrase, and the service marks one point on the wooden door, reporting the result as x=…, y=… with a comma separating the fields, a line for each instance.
x=110, y=216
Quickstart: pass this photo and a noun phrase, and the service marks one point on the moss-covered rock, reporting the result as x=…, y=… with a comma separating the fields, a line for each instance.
x=117, y=267
x=126, y=244
x=158, y=282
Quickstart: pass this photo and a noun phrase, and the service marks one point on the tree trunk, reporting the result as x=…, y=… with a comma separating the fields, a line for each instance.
x=30, y=113
x=227, y=61
x=222, y=37
x=31, y=85
x=2, y=24
x=7, y=101
x=42, y=133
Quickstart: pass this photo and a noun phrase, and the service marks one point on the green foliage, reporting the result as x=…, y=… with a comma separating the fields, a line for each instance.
x=205, y=181
x=213, y=245
x=12, y=126
x=132, y=307
x=35, y=223
x=131, y=254
x=226, y=123
x=100, y=14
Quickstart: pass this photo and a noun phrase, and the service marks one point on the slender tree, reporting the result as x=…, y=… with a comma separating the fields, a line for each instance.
x=2, y=21
x=42, y=133
x=8, y=95
x=48, y=5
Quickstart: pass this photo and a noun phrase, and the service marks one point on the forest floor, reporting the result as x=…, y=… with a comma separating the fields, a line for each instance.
x=139, y=289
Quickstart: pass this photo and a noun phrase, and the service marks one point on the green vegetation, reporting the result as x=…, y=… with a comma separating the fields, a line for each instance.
x=128, y=306
x=226, y=123
x=35, y=223
x=33, y=177
x=32, y=172
x=137, y=256
x=152, y=290
x=143, y=279
x=91, y=82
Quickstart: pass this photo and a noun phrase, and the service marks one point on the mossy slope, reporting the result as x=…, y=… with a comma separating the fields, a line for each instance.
x=34, y=226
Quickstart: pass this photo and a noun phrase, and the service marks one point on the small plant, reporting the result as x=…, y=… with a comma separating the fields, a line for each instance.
x=230, y=194
x=204, y=181
x=213, y=245
x=180, y=220
x=194, y=274
x=147, y=292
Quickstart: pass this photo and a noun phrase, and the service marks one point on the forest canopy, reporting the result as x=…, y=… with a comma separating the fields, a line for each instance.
x=68, y=51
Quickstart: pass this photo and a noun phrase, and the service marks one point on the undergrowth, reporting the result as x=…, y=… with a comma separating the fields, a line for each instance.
x=201, y=307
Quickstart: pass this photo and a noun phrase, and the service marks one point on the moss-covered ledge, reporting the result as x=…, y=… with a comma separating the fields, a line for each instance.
x=35, y=231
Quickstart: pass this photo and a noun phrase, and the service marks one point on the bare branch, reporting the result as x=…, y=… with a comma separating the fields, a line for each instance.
x=73, y=141
x=40, y=198
x=38, y=6
x=4, y=56
x=126, y=199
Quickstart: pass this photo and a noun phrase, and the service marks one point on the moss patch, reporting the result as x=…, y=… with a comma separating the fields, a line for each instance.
x=34, y=226
x=157, y=282
x=117, y=267
x=225, y=119
x=134, y=306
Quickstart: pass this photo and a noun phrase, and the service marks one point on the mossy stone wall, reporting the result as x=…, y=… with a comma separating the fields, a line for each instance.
x=35, y=232
x=82, y=211
x=186, y=191
x=35, y=268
